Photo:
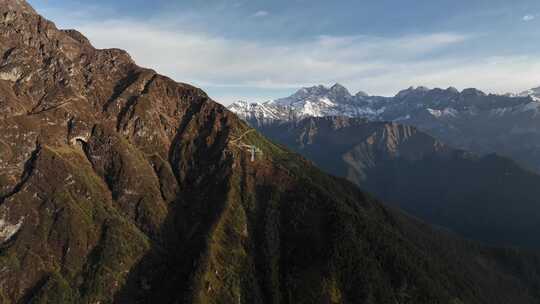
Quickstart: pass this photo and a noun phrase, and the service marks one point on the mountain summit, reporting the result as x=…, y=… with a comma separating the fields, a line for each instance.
x=316, y=101
x=500, y=122
x=534, y=93
x=337, y=94
x=16, y=5
x=120, y=185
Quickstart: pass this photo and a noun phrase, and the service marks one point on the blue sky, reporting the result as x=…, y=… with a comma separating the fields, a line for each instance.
x=259, y=50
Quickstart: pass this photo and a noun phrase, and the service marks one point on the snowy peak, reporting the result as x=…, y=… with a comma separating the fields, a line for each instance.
x=316, y=94
x=262, y=112
x=470, y=119
x=534, y=93
x=239, y=106
x=409, y=105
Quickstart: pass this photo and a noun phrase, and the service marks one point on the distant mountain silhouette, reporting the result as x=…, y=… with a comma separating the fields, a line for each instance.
x=488, y=198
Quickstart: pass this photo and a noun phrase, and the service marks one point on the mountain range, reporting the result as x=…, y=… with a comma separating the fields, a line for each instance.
x=120, y=185
x=469, y=120
x=488, y=198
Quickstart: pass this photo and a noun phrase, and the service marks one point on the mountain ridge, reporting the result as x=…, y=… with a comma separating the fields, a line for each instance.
x=322, y=94
x=18, y=5
x=119, y=185
x=407, y=168
x=470, y=119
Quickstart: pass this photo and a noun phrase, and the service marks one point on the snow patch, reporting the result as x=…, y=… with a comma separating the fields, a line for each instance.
x=326, y=101
x=7, y=230
x=436, y=113
x=442, y=113
x=406, y=117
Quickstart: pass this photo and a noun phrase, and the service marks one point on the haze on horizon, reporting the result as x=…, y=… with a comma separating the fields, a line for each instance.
x=259, y=50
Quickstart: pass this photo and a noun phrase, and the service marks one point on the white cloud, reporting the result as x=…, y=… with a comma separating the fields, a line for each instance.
x=228, y=62
x=261, y=14
x=528, y=18
x=378, y=65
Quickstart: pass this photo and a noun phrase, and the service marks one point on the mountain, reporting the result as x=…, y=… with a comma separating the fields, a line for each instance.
x=533, y=93
x=487, y=198
x=469, y=120
x=317, y=101
x=120, y=185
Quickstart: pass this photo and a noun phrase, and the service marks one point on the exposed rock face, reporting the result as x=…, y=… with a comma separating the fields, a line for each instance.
x=17, y=5
x=120, y=185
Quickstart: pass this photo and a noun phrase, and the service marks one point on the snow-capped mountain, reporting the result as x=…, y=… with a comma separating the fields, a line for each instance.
x=317, y=101
x=409, y=104
x=259, y=111
x=534, y=93
x=468, y=119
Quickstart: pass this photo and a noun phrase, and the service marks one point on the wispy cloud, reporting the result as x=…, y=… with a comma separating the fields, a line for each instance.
x=379, y=65
x=217, y=61
x=528, y=18
x=260, y=14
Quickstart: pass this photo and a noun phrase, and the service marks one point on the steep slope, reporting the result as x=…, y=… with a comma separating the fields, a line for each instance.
x=470, y=119
x=119, y=185
x=488, y=198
